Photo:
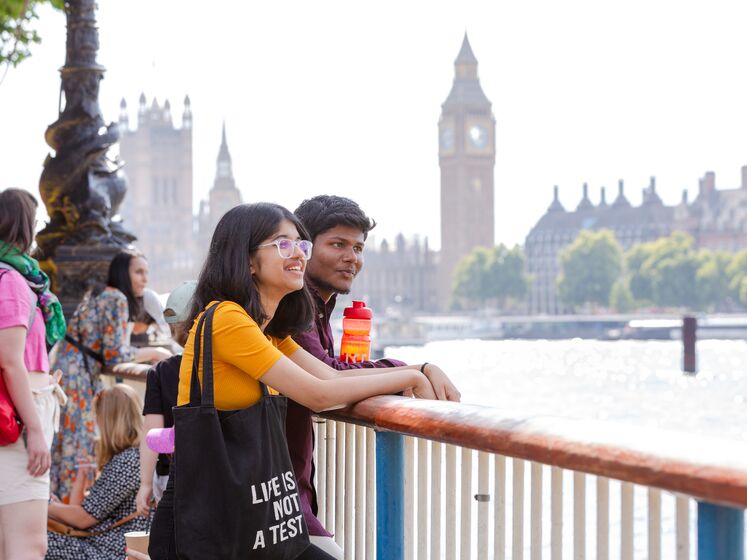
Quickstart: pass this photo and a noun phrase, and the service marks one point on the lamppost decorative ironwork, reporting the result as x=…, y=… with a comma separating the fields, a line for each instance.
x=81, y=187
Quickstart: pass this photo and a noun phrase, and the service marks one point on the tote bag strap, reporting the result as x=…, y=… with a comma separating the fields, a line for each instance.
x=204, y=396
x=208, y=401
x=198, y=395
x=263, y=388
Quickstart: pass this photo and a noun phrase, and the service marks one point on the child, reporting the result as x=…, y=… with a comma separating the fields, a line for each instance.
x=108, y=511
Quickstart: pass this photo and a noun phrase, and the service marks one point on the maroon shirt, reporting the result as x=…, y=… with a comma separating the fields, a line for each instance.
x=318, y=342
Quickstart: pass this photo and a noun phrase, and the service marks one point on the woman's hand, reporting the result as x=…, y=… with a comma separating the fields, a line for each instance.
x=38, y=452
x=443, y=387
x=144, y=499
x=423, y=388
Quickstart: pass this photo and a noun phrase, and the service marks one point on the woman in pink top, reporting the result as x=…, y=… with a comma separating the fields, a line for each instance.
x=29, y=316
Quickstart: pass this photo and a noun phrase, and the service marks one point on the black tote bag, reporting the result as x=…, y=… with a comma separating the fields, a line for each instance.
x=235, y=493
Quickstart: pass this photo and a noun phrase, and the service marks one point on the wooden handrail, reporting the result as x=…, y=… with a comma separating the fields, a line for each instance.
x=129, y=370
x=706, y=468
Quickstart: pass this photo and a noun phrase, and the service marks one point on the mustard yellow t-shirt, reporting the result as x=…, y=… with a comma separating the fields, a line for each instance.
x=242, y=354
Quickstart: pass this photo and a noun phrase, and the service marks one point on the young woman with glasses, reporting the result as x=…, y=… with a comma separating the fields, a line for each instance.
x=255, y=270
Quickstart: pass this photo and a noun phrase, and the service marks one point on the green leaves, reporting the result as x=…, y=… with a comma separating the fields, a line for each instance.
x=489, y=277
x=17, y=32
x=589, y=267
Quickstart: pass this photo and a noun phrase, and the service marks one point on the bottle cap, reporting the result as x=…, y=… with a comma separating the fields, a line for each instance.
x=358, y=311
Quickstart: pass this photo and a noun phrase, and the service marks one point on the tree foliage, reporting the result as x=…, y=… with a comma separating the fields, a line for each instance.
x=669, y=272
x=712, y=280
x=490, y=277
x=621, y=298
x=736, y=271
x=17, y=32
x=589, y=267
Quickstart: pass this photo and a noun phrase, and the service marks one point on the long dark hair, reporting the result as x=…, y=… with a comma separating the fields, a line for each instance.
x=119, y=277
x=225, y=276
x=17, y=215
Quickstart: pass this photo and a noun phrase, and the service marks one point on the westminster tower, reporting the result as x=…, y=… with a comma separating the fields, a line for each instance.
x=466, y=132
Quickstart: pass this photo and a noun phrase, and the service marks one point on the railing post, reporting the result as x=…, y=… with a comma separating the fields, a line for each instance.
x=720, y=532
x=689, y=337
x=390, y=496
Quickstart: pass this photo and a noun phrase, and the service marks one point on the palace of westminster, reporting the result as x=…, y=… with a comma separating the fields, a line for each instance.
x=407, y=274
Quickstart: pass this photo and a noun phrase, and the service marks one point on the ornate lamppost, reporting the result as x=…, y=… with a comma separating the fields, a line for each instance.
x=81, y=188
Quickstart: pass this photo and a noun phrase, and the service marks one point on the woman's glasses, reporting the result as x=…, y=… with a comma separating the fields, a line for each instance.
x=286, y=247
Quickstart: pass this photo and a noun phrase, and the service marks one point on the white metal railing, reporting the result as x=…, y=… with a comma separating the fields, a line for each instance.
x=457, y=505
x=456, y=502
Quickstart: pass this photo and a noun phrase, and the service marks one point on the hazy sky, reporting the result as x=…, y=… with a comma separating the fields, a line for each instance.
x=344, y=97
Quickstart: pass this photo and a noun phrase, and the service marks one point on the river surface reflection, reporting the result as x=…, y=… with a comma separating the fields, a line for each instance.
x=630, y=381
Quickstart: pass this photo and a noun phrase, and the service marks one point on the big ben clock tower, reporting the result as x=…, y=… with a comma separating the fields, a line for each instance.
x=466, y=133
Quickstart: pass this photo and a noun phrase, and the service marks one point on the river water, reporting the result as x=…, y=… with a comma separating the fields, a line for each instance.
x=631, y=382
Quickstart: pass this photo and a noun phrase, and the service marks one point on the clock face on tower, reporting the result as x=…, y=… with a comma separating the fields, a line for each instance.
x=446, y=139
x=477, y=136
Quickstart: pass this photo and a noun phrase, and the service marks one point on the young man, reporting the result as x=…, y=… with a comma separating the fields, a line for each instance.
x=339, y=228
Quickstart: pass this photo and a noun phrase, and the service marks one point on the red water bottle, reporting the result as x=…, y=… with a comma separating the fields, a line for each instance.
x=356, y=333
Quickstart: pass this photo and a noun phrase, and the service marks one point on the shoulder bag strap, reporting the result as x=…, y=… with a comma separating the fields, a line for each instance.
x=64, y=529
x=85, y=350
x=208, y=400
x=194, y=384
x=195, y=393
x=263, y=388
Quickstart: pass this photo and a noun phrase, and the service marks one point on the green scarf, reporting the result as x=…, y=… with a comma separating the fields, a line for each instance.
x=54, y=320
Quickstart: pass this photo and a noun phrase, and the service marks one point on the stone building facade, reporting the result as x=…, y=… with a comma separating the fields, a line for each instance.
x=158, y=206
x=715, y=219
x=399, y=278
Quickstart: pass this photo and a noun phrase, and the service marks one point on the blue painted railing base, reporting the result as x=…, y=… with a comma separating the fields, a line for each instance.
x=720, y=532
x=390, y=493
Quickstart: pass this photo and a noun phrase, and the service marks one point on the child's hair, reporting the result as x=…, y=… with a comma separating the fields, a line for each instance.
x=119, y=417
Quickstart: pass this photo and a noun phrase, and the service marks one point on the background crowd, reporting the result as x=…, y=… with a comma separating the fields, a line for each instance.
x=75, y=472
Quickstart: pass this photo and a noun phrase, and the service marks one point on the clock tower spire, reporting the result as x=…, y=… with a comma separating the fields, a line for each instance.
x=466, y=132
x=224, y=195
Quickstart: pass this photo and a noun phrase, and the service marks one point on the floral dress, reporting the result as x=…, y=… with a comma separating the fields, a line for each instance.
x=111, y=498
x=100, y=323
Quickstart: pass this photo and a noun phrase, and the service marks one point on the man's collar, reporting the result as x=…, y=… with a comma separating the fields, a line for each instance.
x=320, y=304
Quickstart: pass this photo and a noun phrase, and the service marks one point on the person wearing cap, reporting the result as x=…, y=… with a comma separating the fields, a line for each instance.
x=162, y=386
x=152, y=315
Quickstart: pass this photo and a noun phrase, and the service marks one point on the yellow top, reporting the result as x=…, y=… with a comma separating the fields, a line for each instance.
x=242, y=354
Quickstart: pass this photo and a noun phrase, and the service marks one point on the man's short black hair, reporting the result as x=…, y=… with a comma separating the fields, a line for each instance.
x=324, y=212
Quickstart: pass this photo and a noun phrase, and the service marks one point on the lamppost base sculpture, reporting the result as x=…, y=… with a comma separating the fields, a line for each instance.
x=81, y=188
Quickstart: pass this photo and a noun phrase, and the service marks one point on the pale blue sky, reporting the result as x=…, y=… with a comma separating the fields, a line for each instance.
x=344, y=97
